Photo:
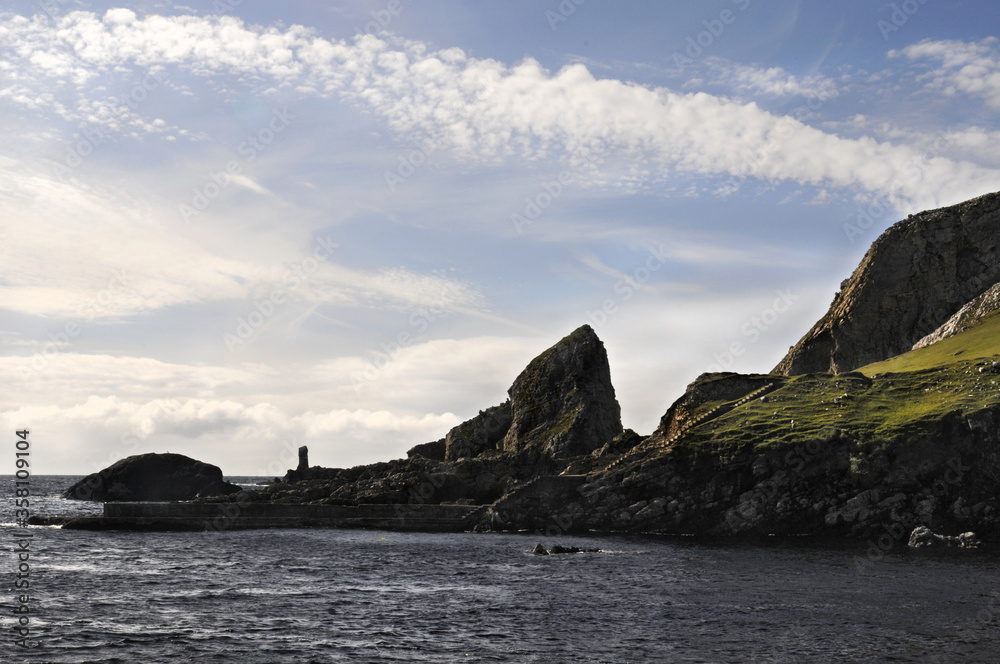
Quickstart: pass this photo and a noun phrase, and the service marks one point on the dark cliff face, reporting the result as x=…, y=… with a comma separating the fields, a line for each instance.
x=563, y=404
x=483, y=432
x=913, y=278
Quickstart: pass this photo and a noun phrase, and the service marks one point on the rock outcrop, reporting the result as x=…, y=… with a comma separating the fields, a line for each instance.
x=922, y=536
x=563, y=403
x=485, y=431
x=152, y=477
x=913, y=279
x=433, y=450
x=558, y=549
x=816, y=486
x=562, y=407
x=707, y=389
x=965, y=318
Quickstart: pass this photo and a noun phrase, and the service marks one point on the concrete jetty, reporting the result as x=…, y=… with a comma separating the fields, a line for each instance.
x=181, y=516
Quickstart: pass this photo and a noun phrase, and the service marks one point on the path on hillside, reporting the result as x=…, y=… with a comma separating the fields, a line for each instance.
x=707, y=416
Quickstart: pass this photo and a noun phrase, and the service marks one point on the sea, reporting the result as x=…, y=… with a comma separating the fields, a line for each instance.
x=329, y=595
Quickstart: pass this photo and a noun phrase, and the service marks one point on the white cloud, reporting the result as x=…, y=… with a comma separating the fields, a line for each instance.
x=771, y=81
x=970, y=68
x=93, y=410
x=118, y=258
x=483, y=109
x=94, y=433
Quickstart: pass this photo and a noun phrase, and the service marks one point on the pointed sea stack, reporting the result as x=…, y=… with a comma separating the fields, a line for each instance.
x=563, y=404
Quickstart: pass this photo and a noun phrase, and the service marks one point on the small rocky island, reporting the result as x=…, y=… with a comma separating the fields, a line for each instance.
x=155, y=477
x=884, y=418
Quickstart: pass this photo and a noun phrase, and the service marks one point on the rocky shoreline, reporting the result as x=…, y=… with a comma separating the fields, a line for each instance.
x=872, y=453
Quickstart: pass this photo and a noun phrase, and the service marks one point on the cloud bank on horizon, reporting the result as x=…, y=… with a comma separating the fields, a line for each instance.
x=227, y=232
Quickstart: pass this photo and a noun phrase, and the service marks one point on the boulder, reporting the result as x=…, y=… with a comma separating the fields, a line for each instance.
x=923, y=537
x=563, y=403
x=557, y=549
x=152, y=477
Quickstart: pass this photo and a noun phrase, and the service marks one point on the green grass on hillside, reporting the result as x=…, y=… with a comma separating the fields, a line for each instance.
x=979, y=343
x=878, y=405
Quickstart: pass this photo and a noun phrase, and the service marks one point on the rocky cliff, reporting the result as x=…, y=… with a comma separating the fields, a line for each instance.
x=913, y=278
x=563, y=404
x=816, y=449
x=848, y=455
x=562, y=407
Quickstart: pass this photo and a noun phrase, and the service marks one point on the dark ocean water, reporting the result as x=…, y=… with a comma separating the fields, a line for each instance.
x=372, y=596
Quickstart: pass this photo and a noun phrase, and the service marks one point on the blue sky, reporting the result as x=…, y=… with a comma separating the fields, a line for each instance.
x=229, y=231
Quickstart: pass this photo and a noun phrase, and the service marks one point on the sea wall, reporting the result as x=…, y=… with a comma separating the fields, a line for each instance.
x=244, y=516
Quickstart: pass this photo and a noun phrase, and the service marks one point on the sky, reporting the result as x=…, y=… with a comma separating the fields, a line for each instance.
x=235, y=228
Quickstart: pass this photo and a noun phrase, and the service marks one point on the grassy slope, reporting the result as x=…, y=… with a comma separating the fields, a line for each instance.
x=887, y=401
x=979, y=343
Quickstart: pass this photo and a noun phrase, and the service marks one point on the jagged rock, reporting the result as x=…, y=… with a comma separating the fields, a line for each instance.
x=913, y=278
x=148, y=477
x=707, y=387
x=303, y=459
x=922, y=537
x=483, y=432
x=965, y=318
x=556, y=549
x=620, y=444
x=434, y=450
x=563, y=403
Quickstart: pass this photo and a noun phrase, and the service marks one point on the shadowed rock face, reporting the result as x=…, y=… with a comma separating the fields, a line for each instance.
x=152, y=477
x=913, y=278
x=967, y=317
x=563, y=404
x=484, y=432
x=433, y=450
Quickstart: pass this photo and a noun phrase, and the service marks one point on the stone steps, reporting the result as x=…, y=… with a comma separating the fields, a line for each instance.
x=707, y=416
